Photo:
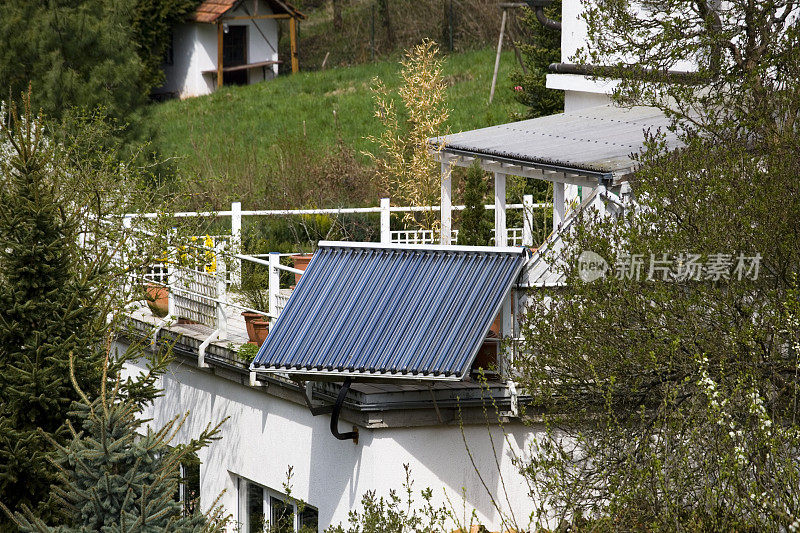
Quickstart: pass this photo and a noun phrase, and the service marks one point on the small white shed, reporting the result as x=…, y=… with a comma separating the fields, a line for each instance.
x=227, y=42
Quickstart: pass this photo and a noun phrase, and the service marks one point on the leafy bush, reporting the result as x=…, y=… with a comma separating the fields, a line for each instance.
x=247, y=352
x=395, y=514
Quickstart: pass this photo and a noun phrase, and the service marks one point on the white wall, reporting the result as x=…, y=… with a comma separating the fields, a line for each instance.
x=581, y=91
x=265, y=435
x=195, y=51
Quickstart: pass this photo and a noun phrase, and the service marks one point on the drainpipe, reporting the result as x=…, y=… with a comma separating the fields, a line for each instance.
x=538, y=8
x=679, y=76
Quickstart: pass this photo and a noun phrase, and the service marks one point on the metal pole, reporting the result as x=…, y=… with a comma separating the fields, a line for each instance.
x=274, y=286
x=450, y=22
x=372, y=34
x=222, y=290
x=236, y=241
x=172, y=273
x=497, y=57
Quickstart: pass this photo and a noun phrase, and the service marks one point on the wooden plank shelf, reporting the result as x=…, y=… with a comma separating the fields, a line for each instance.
x=248, y=66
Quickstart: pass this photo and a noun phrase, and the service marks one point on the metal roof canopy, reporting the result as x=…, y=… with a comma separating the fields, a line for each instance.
x=367, y=311
x=584, y=147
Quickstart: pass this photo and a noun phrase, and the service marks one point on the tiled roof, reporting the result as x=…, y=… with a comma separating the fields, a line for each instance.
x=211, y=10
x=389, y=311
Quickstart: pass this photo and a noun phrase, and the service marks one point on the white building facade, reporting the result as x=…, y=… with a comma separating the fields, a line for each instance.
x=269, y=430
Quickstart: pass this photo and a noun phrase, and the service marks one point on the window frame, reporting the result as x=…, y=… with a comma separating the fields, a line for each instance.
x=266, y=501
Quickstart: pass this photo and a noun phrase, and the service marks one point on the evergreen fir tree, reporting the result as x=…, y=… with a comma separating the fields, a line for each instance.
x=115, y=476
x=475, y=227
x=49, y=310
x=540, y=46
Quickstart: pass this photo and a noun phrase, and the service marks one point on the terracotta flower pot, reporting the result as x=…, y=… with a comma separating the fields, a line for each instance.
x=261, y=328
x=248, y=323
x=300, y=262
x=158, y=299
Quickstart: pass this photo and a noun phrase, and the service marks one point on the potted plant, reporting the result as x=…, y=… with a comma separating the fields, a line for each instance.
x=256, y=297
x=247, y=352
x=260, y=330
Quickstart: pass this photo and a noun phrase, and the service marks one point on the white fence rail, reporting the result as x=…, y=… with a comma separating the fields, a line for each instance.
x=516, y=236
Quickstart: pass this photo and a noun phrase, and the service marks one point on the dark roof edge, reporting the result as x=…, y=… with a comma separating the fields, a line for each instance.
x=539, y=164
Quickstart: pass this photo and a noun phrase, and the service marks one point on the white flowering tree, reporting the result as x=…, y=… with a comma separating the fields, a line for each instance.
x=672, y=384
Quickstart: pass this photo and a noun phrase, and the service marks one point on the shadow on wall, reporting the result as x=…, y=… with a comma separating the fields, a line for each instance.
x=265, y=435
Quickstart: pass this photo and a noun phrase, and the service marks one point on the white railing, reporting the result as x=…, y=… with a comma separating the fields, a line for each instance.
x=517, y=236
x=423, y=236
x=418, y=236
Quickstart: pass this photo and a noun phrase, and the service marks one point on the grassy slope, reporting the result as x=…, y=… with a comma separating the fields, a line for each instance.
x=212, y=135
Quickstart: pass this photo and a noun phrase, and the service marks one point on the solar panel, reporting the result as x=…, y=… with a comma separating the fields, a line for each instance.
x=394, y=311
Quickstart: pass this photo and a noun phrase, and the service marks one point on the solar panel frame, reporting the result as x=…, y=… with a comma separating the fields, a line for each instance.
x=367, y=294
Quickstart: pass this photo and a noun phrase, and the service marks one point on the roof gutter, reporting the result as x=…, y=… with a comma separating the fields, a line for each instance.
x=603, y=177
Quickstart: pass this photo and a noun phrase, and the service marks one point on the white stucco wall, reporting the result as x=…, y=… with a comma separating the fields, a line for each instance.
x=265, y=435
x=581, y=91
x=195, y=51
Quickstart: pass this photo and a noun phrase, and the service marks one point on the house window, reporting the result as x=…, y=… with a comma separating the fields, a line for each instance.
x=263, y=509
x=189, y=485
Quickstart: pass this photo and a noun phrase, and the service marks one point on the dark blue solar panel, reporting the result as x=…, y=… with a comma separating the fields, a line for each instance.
x=414, y=312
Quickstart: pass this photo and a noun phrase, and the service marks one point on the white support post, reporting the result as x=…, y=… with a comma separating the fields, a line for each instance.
x=172, y=273
x=222, y=293
x=446, y=203
x=500, y=231
x=236, y=242
x=527, y=220
x=386, y=221
x=274, y=286
x=558, y=204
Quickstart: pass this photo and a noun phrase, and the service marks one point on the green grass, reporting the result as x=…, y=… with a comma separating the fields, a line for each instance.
x=237, y=129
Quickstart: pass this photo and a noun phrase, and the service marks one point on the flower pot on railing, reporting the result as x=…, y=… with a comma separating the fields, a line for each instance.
x=158, y=299
x=300, y=262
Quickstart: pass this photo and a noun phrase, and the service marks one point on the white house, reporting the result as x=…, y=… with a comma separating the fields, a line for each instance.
x=227, y=42
x=371, y=364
